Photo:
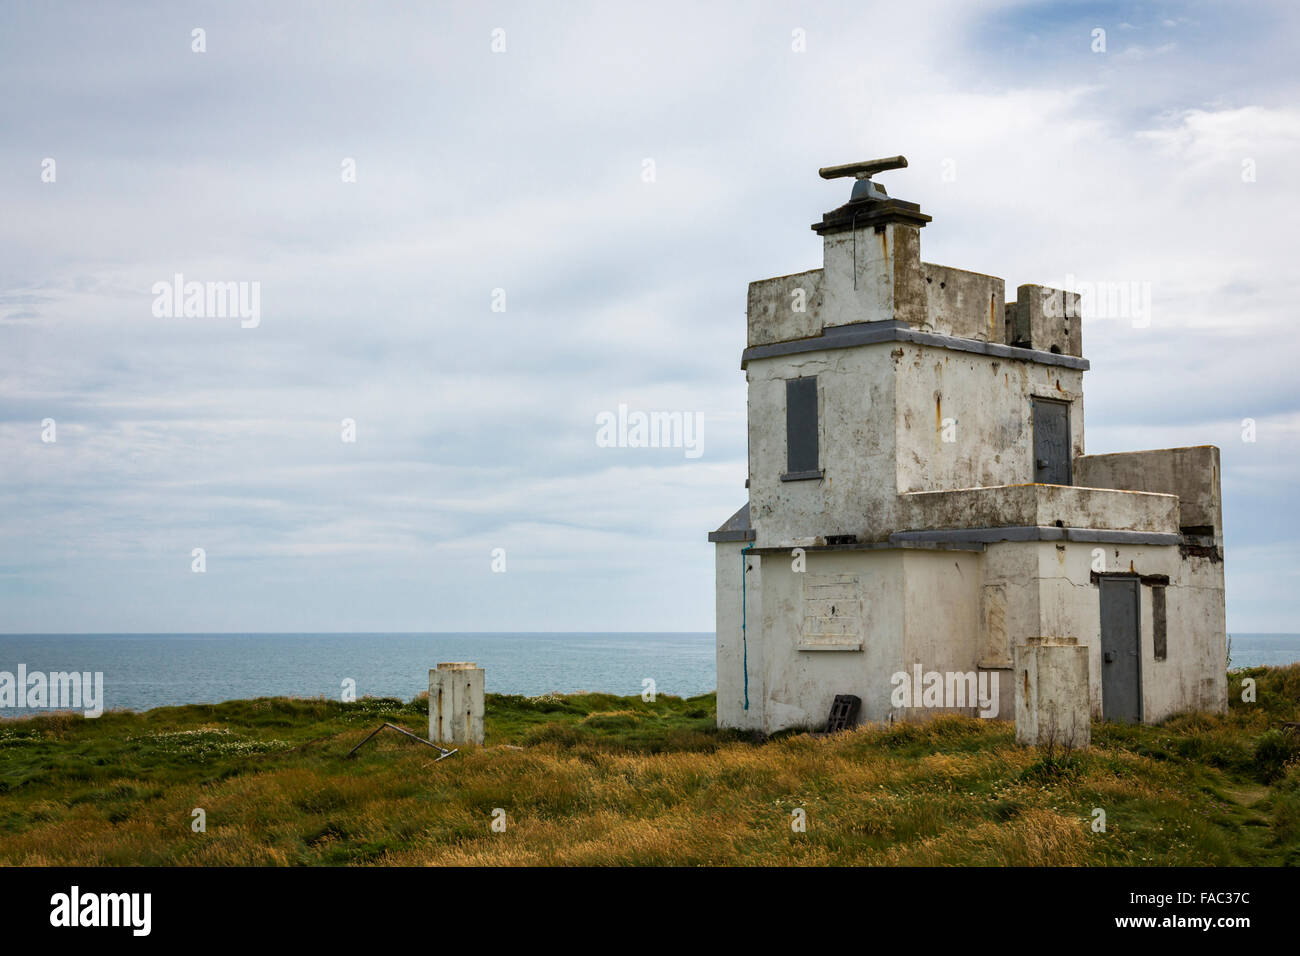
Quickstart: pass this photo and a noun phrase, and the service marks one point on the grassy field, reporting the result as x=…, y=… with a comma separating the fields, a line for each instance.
x=597, y=779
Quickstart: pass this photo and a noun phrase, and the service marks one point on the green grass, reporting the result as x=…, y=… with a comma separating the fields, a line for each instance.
x=599, y=779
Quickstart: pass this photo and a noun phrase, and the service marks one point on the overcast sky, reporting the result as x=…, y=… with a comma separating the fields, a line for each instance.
x=526, y=170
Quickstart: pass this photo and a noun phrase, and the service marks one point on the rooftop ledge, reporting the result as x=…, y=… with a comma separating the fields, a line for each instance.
x=1028, y=512
x=1037, y=505
x=892, y=330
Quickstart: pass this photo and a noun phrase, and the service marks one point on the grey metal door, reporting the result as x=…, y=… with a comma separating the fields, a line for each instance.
x=1051, y=442
x=1121, y=657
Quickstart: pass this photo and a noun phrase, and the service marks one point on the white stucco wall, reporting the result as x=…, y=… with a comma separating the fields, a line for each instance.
x=889, y=281
x=968, y=304
x=732, y=643
x=1197, y=639
x=801, y=684
x=785, y=308
x=942, y=617
x=960, y=611
x=1193, y=675
x=1009, y=607
x=1190, y=473
x=856, y=447
x=989, y=400
x=882, y=410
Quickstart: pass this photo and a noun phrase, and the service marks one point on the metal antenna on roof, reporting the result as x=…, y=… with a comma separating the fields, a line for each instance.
x=863, y=190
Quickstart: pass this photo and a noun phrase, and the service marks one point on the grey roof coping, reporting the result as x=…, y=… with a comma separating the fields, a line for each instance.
x=892, y=330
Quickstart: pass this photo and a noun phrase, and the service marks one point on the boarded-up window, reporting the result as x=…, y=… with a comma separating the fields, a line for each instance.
x=833, y=613
x=1159, y=627
x=801, y=426
x=997, y=649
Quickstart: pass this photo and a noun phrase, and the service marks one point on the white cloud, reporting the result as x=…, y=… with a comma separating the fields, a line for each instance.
x=522, y=171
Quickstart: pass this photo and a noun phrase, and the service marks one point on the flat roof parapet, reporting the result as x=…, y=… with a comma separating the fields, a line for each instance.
x=1040, y=506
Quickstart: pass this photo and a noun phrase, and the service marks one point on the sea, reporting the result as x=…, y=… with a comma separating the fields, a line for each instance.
x=142, y=671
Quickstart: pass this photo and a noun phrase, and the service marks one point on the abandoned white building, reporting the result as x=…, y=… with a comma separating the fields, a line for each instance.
x=920, y=502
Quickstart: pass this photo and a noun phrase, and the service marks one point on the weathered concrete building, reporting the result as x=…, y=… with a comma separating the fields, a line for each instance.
x=920, y=504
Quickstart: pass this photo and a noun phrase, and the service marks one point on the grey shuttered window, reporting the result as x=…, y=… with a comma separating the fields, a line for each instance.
x=1159, y=622
x=801, y=428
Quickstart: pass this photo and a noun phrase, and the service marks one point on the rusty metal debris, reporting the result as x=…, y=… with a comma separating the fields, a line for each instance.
x=402, y=730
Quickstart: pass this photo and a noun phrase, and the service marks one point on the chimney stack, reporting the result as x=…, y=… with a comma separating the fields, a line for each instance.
x=872, y=251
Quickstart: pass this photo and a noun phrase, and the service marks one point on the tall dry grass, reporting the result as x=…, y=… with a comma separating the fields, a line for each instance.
x=600, y=780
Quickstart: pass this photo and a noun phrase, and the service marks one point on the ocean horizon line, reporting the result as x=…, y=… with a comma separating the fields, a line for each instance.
x=308, y=633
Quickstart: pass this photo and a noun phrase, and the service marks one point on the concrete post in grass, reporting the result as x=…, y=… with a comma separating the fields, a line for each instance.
x=1052, y=706
x=456, y=703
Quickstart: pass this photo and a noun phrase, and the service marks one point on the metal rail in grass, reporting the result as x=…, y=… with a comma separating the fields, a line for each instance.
x=402, y=730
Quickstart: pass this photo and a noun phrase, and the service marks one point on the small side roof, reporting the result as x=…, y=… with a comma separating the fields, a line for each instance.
x=735, y=528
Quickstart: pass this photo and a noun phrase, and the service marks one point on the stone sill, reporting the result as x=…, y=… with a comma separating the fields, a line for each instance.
x=844, y=645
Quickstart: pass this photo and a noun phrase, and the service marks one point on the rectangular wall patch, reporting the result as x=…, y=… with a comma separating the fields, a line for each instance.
x=834, y=613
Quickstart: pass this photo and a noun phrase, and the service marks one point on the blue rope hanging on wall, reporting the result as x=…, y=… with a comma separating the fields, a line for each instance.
x=744, y=618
